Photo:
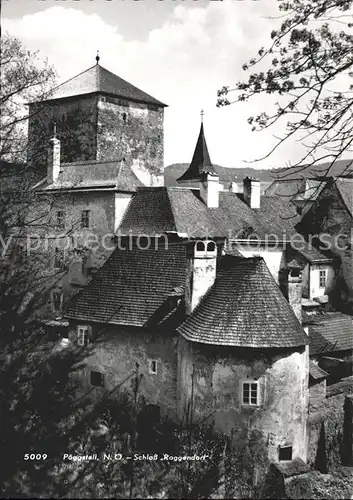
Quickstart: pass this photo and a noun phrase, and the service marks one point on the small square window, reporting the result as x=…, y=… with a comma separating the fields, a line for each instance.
x=97, y=379
x=60, y=220
x=83, y=335
x=322, y=278
x=285, y=453
x=250, y=393
x=85, y=219
x=153, y=366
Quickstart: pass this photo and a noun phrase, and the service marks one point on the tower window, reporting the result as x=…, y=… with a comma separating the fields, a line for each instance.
x=153, y=366
x=322, y=278
x=285, y=453
x=60, y=219
x=250, y=393
x=97, y=379
x=85, y=219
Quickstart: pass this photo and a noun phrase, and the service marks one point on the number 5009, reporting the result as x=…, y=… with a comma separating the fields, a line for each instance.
x=33, y=456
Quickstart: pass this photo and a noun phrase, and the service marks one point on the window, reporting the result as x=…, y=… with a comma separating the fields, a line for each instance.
x=59, y=258
x=211, y=246
x=153, y=366
x=82, y=335
x=57, y=300
x=60, y=220
x=250, y=393
x=285, y=453
x=322, y=278
x=97, y=379
x=85, y=219
x=200, y=246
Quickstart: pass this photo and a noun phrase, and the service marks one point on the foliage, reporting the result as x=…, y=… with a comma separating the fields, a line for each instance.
x=24, y=79
x=308, y=65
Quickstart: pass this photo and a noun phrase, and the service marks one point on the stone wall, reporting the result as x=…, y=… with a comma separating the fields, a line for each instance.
x=317, y=395
x=116, y=353
x=210, y=386
x=133, y=131
x=76, y=125
x=328, y=430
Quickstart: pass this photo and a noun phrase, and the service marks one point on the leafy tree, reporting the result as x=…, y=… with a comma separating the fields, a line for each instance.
x=308, y=65
x=24, y=79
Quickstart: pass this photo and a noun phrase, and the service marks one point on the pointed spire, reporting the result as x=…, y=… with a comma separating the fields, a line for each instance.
x=97, y=57
x=201, y=161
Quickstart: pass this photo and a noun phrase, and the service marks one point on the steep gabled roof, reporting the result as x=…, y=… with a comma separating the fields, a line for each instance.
x=98, y=80
x=94, y=175
x=201, y=161
x=132, y=285
x=244, y=308
x=160, y=210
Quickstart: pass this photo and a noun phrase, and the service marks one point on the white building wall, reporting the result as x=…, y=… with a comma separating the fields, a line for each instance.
x=314, y=280
x=274, y=257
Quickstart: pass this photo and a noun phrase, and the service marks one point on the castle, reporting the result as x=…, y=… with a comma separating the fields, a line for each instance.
x=184, y=281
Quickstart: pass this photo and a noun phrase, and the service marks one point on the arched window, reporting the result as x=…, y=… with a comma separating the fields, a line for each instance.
x=200, y=246
x=211, y=246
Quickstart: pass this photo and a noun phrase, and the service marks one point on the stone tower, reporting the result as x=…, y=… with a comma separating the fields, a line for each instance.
x=100, y=117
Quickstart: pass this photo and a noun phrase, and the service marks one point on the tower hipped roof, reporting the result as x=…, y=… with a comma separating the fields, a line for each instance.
x=102, y=81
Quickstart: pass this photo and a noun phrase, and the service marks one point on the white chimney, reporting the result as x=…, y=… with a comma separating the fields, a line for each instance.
x=209, y=190
x=252, y=193
x=54, y=161
x=200, y=271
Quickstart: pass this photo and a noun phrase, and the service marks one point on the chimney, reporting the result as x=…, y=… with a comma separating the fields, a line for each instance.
x=291, y=286
x=54, y=161
x=200, y=273
x=209, y=190
x=252, y=194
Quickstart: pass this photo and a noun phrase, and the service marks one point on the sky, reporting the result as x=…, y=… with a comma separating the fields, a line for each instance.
x=179, y=51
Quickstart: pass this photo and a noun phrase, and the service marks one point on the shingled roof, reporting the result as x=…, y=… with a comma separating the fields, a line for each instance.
x=131, y=286
x=330, y=332
x=96, y=174
x=159, y=210
x=275, y=217
x=244, y=308
x=201, y=162
x=98, y=80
